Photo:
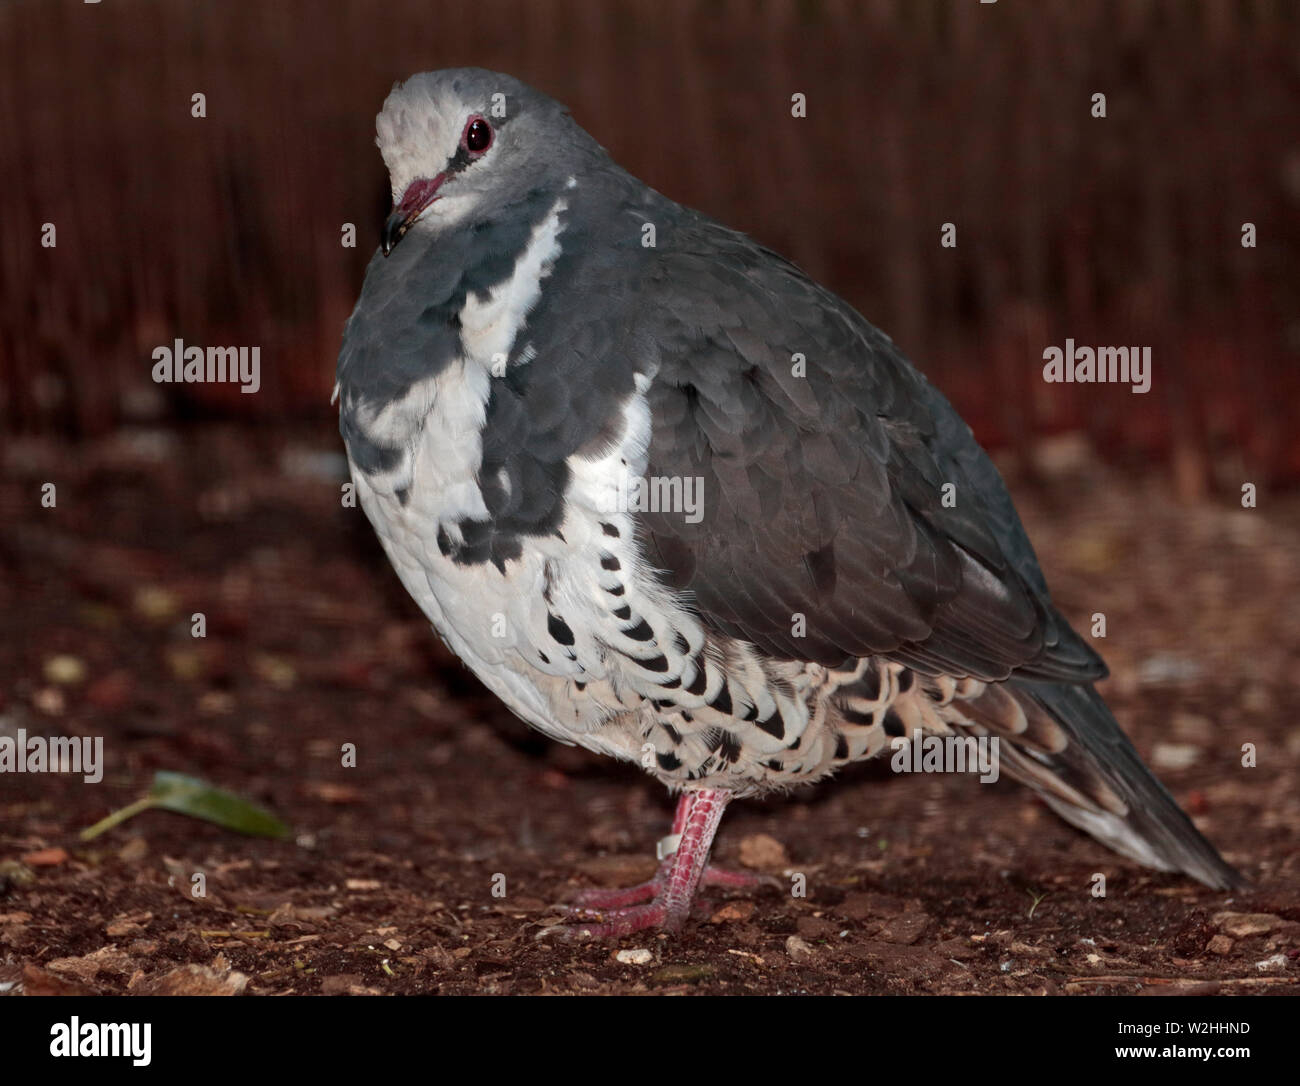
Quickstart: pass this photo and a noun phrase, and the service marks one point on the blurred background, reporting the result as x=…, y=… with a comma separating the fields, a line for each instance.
x=1118, y=230
x=182, y=500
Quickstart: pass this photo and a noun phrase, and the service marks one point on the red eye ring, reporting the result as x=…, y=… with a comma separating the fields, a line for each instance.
x=477, y=136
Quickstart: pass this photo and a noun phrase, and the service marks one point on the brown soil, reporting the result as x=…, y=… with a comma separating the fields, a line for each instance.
x=923, y=884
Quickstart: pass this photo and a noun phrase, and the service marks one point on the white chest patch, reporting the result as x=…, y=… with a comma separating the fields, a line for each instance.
x=489, y=324
x=438, y=423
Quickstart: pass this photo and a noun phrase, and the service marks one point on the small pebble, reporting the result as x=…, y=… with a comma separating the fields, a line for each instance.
x=762, y=852
x=798, y=950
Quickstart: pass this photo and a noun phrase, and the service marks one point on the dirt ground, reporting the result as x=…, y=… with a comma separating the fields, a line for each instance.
x=914, y=884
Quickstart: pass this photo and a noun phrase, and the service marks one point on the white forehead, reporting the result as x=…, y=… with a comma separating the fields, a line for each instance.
x=419, y=128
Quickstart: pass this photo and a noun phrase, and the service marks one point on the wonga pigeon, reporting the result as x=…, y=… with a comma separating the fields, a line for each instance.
x=675, y=502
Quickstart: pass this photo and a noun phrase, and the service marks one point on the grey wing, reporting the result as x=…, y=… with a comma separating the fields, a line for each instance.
x=838, y=484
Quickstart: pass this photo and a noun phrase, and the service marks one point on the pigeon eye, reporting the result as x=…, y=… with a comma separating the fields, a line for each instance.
x=478, y=136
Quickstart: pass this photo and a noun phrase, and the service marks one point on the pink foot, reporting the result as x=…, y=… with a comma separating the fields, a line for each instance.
x=597, y=900
x=665, y=901
x=655, y=914
x=736, y=880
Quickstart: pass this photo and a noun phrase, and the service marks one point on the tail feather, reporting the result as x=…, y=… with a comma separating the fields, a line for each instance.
x=1124, y=806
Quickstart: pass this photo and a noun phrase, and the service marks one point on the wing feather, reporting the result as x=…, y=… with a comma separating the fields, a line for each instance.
x=824, y=489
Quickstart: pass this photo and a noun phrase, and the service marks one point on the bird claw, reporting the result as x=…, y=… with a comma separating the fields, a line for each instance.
x=739, y=880
x=598, y=899
x=613, y=913
x=617, y=923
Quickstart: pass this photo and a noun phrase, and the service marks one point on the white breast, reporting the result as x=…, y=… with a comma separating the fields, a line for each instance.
x=490, y=324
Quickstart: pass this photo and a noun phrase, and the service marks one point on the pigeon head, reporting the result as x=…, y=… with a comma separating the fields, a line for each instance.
x=464, y=144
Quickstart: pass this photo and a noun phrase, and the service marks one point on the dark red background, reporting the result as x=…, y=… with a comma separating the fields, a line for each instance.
x=1124, y=230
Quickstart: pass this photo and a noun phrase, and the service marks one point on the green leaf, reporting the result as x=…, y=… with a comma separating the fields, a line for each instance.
x=190, y=796
x=198, y=799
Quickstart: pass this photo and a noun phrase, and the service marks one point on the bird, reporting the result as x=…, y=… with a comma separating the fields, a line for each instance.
x=673, y=501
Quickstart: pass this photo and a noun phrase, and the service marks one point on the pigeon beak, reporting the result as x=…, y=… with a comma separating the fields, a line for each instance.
x=419, y=194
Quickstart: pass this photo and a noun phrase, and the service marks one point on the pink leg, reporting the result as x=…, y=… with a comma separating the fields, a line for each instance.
x=597, y=899
x=669, y=894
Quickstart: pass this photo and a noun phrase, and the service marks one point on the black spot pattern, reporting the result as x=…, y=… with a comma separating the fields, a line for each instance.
x=723, y=743
x=722, y=703
x=640, y=632
x=559, y=629
x=893, y=725
x=774, y=725
x=868, y=687
x=729, y=748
